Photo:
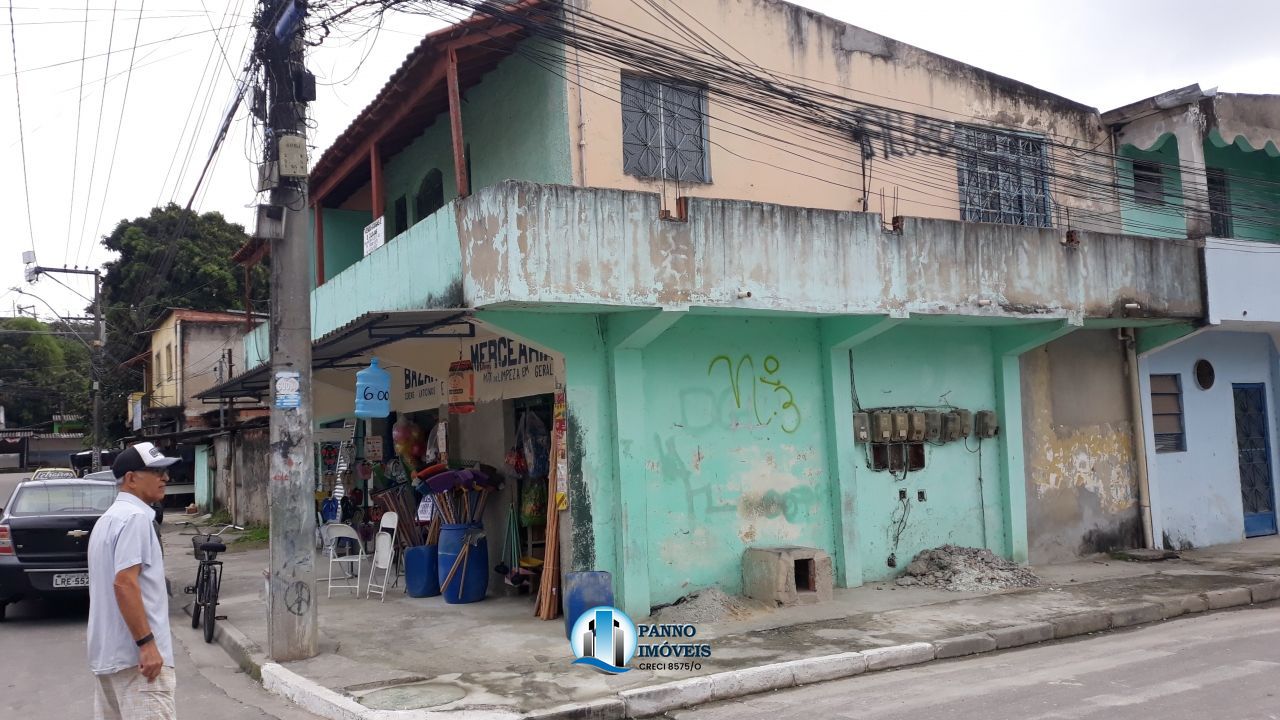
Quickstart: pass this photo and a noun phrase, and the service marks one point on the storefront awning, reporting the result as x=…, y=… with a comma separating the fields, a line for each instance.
x=341, y=347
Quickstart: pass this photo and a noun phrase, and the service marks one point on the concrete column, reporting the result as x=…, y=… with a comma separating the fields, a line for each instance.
x=1195, y=189
x=1009, y=495
x=839, y=336
x=627, y=335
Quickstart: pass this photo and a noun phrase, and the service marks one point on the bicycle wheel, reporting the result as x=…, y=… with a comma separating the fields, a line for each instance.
x=211, y=603
x=197, y=598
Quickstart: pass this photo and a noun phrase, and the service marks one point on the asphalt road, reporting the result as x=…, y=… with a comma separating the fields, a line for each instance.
x=1224, y=665
x=44, y=673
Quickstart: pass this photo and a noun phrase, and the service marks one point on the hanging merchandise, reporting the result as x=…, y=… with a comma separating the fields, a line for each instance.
x=560, y=455
x=535, y=444
x=373, y=392
x=462, y=388
x=533, y=502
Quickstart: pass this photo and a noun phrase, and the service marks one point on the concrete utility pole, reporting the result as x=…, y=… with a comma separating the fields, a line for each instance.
x=291, y=619
x=99, y=340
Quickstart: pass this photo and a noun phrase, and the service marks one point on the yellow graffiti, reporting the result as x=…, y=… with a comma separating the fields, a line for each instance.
x=771, y=366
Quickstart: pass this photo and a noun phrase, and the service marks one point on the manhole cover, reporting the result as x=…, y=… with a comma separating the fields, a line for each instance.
x=413, y=697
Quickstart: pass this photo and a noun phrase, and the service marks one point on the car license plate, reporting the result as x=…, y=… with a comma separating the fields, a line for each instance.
x=70, y=580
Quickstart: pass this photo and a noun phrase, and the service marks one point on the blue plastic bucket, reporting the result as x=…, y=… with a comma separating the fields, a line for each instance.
x=583, y=591
x=470, y=583
x=421, y=573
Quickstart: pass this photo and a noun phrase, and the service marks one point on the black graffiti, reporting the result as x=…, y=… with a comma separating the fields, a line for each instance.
x=297, y=599
x=888, y=133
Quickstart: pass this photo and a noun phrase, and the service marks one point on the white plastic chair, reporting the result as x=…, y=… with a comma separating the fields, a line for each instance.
x=333, y=533
x=384, y=550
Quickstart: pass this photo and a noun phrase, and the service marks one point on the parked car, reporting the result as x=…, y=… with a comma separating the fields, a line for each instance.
x=44, y=537
x=52, y=474
x=108, y=476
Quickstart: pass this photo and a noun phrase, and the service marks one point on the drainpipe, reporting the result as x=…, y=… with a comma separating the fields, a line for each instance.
x=1129, y=337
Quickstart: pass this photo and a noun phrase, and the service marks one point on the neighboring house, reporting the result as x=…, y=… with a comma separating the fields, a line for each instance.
x=719, y=284
x=190, y=351
x=1204, y=166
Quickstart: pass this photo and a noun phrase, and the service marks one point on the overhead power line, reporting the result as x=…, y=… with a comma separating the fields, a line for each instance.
x=22, y=136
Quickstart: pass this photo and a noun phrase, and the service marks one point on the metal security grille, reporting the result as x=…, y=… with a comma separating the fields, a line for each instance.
x=1003, y=178
x=1253, y=444
x=664, y=130
x=1219, y=203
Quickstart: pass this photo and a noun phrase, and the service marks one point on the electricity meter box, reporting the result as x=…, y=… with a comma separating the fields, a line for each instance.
x=986, y=424
x=957, y=424
x=881, y=427
x=899, y=426
x=915, y=426
x=933, y=426
x=861, y=427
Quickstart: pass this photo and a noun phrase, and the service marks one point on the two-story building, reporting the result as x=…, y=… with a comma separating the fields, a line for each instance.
x=731, y=249
x=1202, y=168
x=189, y=352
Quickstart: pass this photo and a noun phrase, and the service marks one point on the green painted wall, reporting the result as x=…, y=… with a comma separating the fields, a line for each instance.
x=516, y=123
x=343, y=239
x=1253, y=186
x=1165, y=220
x=925, y=367
x=420, y=269
x=728, y=467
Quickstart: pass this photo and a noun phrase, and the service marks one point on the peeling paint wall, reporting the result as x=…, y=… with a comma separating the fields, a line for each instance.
x=1195, y=494
x=541, y=243
x=734, y=460
x=927, y=367
x=1082, y=493
x=752, y=158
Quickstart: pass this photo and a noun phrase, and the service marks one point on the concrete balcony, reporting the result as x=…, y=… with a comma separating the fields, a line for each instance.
x=517, y=244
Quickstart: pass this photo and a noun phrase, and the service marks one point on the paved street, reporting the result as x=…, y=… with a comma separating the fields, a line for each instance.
x=43, y=674
x=1223, y=665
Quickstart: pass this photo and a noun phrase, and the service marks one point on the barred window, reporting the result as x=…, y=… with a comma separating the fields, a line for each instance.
x=664, y=130
x=1219, y=203
x=1004, y=178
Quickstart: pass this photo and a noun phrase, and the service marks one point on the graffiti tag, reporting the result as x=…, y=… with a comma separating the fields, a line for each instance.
x=788, y=410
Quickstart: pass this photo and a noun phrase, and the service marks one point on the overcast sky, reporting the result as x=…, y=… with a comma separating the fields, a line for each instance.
x=1103, y=53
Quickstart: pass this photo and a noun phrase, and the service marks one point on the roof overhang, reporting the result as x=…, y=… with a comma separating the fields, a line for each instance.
x=343, y=346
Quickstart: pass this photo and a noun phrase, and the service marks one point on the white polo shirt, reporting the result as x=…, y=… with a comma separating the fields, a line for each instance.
x=124, y=537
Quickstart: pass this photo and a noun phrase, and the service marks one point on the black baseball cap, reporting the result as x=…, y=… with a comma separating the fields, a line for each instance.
x=141, y=456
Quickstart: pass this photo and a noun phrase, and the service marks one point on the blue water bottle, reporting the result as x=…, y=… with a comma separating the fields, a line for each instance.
x=373, y=392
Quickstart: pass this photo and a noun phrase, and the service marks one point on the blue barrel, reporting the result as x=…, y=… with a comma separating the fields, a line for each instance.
x=421, y=577
x=470, y=583
x=583, y=591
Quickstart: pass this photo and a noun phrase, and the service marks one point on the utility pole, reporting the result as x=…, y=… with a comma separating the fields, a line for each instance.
x=33, y=272
x=291, y=618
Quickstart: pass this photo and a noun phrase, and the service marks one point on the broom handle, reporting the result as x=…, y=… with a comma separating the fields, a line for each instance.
x=457, y=562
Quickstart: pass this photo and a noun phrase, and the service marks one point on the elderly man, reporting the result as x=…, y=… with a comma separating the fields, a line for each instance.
x=130, y=649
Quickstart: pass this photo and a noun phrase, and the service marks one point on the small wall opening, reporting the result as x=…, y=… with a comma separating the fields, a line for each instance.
x=806, y=579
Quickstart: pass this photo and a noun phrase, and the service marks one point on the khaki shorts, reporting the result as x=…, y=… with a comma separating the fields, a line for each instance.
x=126, y=695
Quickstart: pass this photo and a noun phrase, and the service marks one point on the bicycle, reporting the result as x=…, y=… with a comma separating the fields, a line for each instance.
x=206, y=547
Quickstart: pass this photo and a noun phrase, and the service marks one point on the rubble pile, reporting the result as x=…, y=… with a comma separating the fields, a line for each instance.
x=704, y=606
x=965, y=569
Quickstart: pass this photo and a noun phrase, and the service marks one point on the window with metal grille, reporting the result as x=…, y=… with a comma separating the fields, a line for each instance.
x=1219, y=203
x=1166, y=413
x=1148, y=183
x=664, y=130
x=1004, y=178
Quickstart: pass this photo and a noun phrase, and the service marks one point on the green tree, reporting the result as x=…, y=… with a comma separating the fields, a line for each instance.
x=40, y=373
x=172, y=258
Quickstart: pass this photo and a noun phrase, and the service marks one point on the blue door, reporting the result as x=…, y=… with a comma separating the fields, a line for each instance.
x=1254, y=446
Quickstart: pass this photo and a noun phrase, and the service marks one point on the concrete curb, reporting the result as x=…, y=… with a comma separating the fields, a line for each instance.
x=689, y=692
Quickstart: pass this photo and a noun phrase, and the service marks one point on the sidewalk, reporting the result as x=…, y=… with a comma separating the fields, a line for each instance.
x=493, y=659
